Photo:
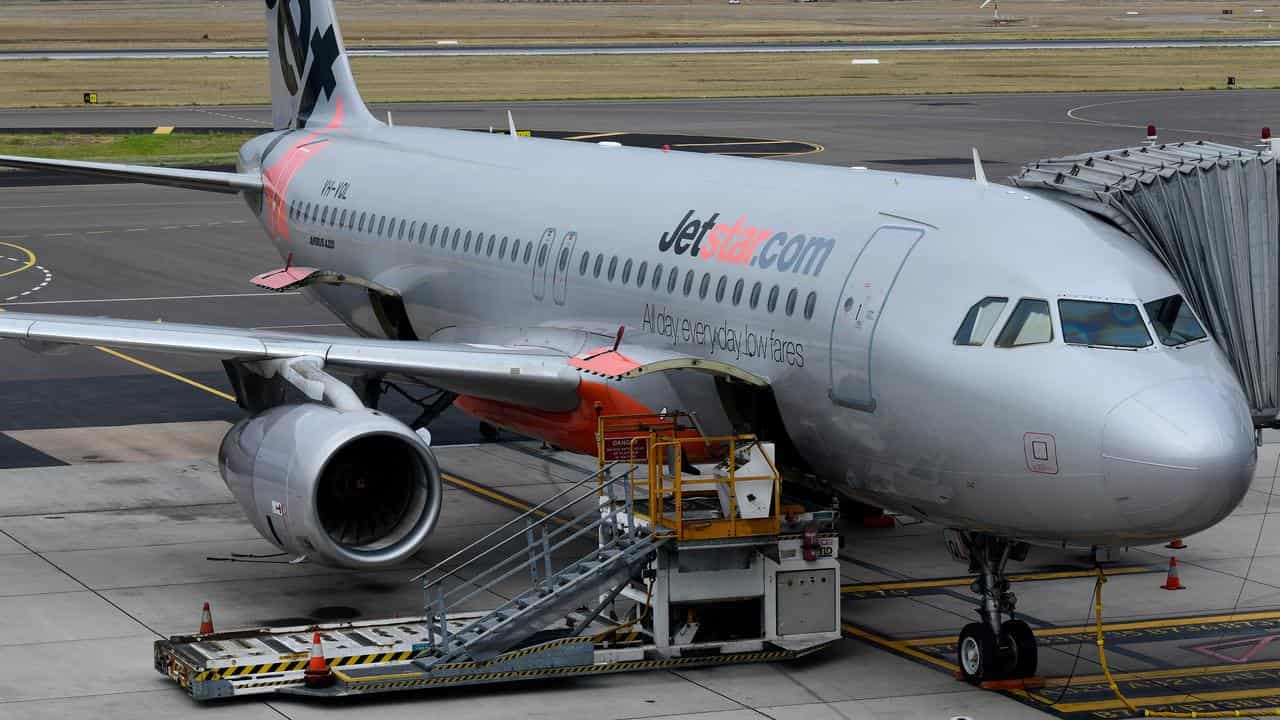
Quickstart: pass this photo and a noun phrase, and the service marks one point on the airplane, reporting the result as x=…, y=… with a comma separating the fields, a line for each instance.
x=1010, y=368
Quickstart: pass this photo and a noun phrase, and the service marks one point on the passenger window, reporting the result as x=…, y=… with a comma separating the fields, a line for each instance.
x=688, y=282
x=422, y=233
x=1117, y=325
x=809, y=303
x=791, y=301
x=382, y=224
x=400, y=234
x=434, y=229
x=342, y=220
x=599, y=264
x=755, y=295
x=704, y=286
x=737, y=291
x=542, y=256
x=391, y=227
x=413, y=227
x=1028, y=324
x=466, y=242
x=324, y=215
x=564, y=259
x=613, y=268
x=979, y=320
x=657, y=276
x=673, y=277
x=479, y=243
x=515, y=250
x=363, y=216
x=457, y=235
x=1174, y=322
x=528, y=252
x=640, y=274
x=582, y=266
x=502, y=249
x=720, y=288
x=773, y=298
x=488, y=252
x=626, y=272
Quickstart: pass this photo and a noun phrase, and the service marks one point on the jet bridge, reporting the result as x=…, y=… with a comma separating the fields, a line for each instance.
x=1209, y=212
x=693, y=561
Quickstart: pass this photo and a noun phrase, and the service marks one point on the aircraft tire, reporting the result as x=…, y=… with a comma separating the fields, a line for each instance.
x=1018, y=649
x=978, y=654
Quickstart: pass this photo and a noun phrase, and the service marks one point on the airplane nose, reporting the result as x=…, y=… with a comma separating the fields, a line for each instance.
x=1178, y=457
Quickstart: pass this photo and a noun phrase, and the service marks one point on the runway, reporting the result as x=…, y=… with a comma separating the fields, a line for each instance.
x=111, y=505
x=454, y=49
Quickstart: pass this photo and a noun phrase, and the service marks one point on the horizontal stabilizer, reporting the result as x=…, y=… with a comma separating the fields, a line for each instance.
x=210, y=180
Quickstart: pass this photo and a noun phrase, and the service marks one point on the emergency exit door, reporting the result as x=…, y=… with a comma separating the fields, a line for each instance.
x=862, y=300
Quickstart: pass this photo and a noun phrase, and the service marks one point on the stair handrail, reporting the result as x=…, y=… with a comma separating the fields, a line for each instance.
x=516, y=561
x=536, y=509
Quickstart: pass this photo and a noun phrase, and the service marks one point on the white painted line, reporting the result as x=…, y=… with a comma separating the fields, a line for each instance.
x=168, y=227
x=12, y=237
x=97, y=232
x=169, y=297
x=57, y=234
x=865, y=61
x=136, y=230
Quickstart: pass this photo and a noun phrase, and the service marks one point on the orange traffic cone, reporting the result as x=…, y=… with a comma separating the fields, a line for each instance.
x=206, y=621
x=318, y=674
x=1172, y=582
x=1176, y=544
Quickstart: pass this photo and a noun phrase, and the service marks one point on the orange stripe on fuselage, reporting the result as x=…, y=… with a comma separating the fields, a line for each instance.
x=574, y=430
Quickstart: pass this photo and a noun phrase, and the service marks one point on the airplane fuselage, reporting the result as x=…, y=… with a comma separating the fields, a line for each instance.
x=845, y=289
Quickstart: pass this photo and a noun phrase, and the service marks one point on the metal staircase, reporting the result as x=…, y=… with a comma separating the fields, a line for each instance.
x=598, y=507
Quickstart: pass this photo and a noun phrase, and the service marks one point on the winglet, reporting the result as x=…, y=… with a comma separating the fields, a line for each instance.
x=511, y=125
x=979, y=174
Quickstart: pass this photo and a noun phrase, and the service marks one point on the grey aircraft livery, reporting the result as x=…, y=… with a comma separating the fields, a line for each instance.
x=1010, y=368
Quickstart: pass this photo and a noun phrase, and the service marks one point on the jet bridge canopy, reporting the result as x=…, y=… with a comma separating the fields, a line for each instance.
x=1209, y=213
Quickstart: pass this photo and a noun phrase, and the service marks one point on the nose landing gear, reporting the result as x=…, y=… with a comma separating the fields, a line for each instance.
x=993, y=648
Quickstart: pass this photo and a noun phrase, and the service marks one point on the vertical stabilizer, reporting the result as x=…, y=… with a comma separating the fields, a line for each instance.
x=311, y=82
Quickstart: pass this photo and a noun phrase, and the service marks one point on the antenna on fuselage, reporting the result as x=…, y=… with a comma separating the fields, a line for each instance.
x=979, y=175
x=511, y=125
x=389, y=121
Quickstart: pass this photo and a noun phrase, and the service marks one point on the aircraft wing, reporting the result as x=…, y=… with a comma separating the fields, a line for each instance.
x=224, y=182
x=529, y=376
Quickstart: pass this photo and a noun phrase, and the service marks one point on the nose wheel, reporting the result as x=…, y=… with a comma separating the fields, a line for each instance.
x=994, y=648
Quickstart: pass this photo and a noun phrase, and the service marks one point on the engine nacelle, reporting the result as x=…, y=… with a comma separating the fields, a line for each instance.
x=354, y=489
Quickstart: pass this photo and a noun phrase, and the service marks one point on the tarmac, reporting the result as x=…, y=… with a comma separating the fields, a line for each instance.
x=111, y=506
x=455, y=49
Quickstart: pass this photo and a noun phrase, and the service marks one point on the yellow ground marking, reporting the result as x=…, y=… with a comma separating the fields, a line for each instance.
x=163, y=130
x=166, y=373
x=1166, y=674
x=1114, y=704
x=740, y=142
x=898, y=646
x=965, y=581
x=1113, y=627
x=592, y=136
x=497, y=497
x=31, y=259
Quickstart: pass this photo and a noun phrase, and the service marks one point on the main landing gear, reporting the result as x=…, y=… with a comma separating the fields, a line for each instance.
x=993, y=648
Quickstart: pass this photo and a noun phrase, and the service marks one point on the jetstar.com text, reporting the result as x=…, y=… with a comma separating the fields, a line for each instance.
x=743, y=244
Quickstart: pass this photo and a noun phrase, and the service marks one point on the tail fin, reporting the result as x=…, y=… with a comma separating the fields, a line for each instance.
x=311, y=82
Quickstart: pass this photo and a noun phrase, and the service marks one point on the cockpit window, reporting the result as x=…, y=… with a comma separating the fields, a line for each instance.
x=1028, y=324
x=1172, y=319
x=979, y=320
x=1117, y=325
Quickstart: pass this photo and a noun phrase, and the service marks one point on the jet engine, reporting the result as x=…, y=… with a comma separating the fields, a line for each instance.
x=348, y=488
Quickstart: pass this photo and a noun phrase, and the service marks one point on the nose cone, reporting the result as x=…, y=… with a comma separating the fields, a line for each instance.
x=1178, y=457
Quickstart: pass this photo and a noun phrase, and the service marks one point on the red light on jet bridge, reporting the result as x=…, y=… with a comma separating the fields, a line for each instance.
x=1266, y=134
x=1151, y=132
